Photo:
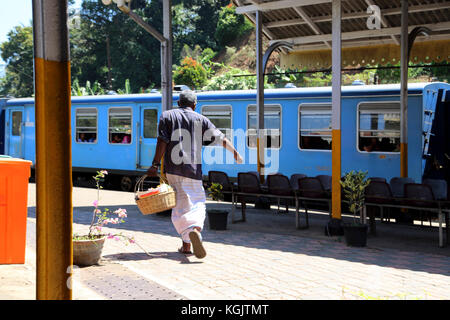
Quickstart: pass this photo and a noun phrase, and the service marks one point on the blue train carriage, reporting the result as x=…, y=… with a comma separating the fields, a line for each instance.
x=2, y=125
x=299, y=129
x=118, y=132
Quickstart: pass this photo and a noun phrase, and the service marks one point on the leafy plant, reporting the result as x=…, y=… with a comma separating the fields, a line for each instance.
x=127, y=89
x=354, y=184
x=87, y=90
x=190, y=73
x=215, y=190
x=100, y=218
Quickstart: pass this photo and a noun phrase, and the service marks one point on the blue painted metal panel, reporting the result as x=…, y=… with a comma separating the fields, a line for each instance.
x=139, y=154
x=2, y=125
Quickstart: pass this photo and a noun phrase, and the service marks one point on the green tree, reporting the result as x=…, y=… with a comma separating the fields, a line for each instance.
x=110, y=47
x=231, y=25
x=17, y=52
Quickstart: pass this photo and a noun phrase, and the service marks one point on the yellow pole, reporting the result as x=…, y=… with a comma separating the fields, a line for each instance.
x=336, y=174
x=53, y=151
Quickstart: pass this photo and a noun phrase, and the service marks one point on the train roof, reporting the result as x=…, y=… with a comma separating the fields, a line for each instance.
x=359, y=90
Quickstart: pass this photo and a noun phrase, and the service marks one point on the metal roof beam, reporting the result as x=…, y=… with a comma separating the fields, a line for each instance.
x=360, y=14
x=443, y=26
x=383, y=21
x=362, y=43
x=311, y=24
x=275, y=5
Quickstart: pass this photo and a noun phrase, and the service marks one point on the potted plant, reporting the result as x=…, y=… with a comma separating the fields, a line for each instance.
x=354, y=184
x=87, y=249
x=217, y=218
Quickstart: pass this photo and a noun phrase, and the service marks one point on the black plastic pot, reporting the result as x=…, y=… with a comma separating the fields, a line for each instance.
x=217, y=219
x=355, y=235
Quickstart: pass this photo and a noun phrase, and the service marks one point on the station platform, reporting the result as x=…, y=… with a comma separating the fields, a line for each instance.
x=265, y=258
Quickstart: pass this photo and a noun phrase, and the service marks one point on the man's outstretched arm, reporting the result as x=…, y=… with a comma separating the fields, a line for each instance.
x=229, y=146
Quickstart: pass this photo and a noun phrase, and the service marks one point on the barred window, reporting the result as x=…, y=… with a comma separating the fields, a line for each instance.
x=221, y=117
x=16, y=123
x=315, y=127
x=379, y=127
x=150, y=123
x=272, y=126
x=120, y=125
x=86, y=125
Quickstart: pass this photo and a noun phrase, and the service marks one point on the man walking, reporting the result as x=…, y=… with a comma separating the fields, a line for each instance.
x=181, y=134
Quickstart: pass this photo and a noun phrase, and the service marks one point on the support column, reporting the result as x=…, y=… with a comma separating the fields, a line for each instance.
x=53, y=150
x=166, y=57
x=336, y=110
x=404, y=91
x=260, y=96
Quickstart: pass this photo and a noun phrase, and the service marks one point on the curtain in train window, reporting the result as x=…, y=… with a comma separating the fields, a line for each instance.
x=272, y=126
x=315, y=127
x=86, y=125
x=150, y=123
x=120, y=125
x=16, y=122
x=220, y=116
x=379, y=127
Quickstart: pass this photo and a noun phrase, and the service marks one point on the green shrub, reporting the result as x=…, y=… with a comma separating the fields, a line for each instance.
x=354, y=184
x=190, y=73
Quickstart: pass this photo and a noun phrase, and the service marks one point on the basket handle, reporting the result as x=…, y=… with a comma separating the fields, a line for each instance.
x=140, y=183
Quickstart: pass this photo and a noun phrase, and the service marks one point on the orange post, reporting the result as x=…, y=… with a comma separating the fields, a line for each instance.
x=14, y=175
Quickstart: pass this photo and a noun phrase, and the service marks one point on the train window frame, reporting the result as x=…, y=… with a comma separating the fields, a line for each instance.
x=143, y=123
x=19, y=124
x=322, y=106
x=374, y=103
x=131, y=125
x=230, y=107
x=280, y=130
x=96, y=125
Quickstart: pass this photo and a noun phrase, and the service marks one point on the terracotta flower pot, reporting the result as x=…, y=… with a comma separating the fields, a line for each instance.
x=87, y=252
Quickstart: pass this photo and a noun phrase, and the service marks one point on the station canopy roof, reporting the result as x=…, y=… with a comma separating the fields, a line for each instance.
x=306, y=24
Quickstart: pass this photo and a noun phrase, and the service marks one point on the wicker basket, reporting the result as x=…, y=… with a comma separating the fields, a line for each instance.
x=154, y=203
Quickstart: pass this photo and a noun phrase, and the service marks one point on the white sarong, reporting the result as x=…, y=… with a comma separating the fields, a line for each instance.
x=190, y=210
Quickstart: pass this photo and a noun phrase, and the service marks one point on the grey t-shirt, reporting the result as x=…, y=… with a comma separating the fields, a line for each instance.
x=185, y=132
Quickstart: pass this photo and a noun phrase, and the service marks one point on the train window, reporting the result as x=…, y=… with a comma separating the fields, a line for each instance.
x=150, y=123
x=221, y=117
x=16, y=122
x=272, y=126
x=120, y=125
x=86, y=125
x=314, y=127
x=379, y=127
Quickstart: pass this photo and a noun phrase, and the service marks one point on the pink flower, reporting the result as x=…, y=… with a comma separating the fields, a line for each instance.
x=122, y=213
x=104, y=172
x=95, y=203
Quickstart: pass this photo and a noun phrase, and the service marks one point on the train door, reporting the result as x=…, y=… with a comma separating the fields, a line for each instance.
x=14, y=132
x=147, y=135
x=2, y=131
x=436, y=146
